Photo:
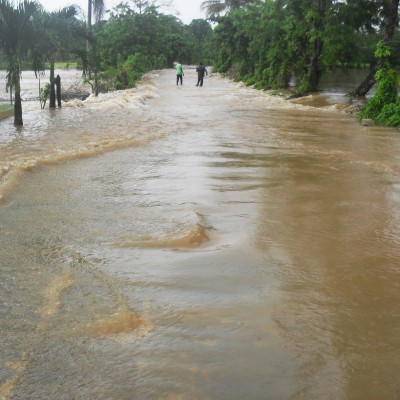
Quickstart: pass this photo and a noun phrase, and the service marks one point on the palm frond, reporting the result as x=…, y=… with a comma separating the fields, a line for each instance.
x=98, y=9
x=213, y=7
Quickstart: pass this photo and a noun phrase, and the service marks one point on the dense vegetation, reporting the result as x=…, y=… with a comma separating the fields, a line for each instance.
x=384, y=107
x=266, y=43
x=271, y=43
x=113, y=53
x=130, y=43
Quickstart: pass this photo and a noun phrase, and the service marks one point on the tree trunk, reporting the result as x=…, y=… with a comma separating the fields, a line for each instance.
x=315, y=73
x=89, y=32
x=89, y=24
x=390, y=23
x=18, y=107
x=366, y=85
x=58, y=86
x=319, y=26
x=52, y=88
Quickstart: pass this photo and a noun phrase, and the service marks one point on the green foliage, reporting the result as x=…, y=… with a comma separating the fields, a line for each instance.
x=268, y=42
x=198, y=41
x=130, y=44
x=383, y=51
x=390, y=114
x=21, y=36
x=304, y=86
x=386, y=93
x=66, y=65
x=384, y=106
x=44, y=94
x=128, y=72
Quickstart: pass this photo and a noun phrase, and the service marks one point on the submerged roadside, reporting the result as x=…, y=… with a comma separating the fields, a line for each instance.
x=6, y=110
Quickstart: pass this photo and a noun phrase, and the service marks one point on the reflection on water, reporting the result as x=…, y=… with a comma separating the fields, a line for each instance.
x=343, y=80
x=335, y=87
x=198, y=243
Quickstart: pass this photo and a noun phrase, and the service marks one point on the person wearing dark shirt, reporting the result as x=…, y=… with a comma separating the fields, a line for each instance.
x=201, y=71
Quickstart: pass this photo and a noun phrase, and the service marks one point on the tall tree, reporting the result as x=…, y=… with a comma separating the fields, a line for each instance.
x=145, y=5
x=200, y=32
x=96, y=8
x=60, y=27
x=19, y=36
x=390, y=21
x=319, y=23
x=213, y=8
x=307, y=28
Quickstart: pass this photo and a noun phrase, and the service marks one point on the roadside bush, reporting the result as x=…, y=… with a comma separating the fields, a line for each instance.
x=384, y=107
x=386, y=94
x=390, y=114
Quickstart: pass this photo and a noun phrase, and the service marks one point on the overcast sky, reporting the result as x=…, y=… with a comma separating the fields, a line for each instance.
x=188, y=9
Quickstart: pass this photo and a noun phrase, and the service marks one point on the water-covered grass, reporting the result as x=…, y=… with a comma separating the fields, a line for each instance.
x=66, y=65
x=6, y=110
x=5, y=107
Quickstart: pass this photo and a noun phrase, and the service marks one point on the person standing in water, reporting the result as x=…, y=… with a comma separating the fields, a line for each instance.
x=179, y=73
x=201, y=71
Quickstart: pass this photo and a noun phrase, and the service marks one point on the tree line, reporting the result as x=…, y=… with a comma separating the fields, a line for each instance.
x=265, y=43
x=113, y=53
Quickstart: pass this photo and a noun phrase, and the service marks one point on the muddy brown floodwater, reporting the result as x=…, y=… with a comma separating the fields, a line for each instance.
x=198, y=243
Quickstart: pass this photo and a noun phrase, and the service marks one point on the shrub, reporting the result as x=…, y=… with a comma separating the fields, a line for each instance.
x=384, y=107
x=390, y=114
x=386, y=93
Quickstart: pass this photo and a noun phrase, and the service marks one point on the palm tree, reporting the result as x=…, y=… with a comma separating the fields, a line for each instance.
x=97, y=8
x=213, y=8
x=59, y=26
x=19, y=36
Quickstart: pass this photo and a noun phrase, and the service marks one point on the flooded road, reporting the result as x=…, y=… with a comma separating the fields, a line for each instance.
x=198, y=243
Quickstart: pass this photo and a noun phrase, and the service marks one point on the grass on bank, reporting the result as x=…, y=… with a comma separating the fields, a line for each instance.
x=66, y=65
x=6, y=107
x=6, y=110
x=57, y=65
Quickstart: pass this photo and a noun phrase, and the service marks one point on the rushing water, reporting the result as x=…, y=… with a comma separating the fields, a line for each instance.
x=198, y=243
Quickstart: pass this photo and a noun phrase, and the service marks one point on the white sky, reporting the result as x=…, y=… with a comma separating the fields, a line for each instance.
x=188, y=9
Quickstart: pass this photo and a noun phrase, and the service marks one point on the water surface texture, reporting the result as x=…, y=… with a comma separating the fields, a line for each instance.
x=187, y=243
